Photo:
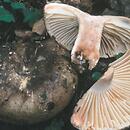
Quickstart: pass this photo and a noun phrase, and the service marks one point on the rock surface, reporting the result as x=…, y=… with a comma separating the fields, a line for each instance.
x=84, y=5
x=36, y=81
x=118, y=7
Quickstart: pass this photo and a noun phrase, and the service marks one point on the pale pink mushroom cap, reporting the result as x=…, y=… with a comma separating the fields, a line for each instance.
x=89, y=36
x=106, y=105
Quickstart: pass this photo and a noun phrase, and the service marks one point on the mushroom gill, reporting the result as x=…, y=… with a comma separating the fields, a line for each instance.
x=106, y=105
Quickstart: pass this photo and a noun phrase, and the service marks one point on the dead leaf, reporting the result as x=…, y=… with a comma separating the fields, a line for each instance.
x=39, y=27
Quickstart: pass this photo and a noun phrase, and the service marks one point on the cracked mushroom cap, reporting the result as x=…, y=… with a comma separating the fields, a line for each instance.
x=90, y=36
x=106, y=105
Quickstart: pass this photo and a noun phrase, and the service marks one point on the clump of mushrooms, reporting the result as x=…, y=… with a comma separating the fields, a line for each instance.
x=106, y=105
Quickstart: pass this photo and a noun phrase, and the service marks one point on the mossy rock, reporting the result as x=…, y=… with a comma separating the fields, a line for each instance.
x=36, y=81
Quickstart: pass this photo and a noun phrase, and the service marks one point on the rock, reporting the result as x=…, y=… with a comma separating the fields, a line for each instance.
x=127, y=10
x=113, y=8
x=84, y=5
x=119, y=7
x=109, y=12
x=36, y=81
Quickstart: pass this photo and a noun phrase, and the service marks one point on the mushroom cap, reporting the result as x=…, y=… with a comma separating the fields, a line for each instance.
x=115, y=36
x=106, y=105
x=90, y=36
x=62, y=24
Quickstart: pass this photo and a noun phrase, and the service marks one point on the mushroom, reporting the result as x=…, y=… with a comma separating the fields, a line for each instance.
x=106, y=105
x=89, y=36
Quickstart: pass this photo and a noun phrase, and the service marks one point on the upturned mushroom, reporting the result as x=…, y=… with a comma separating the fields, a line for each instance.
x=106, y=105
x=89, y=36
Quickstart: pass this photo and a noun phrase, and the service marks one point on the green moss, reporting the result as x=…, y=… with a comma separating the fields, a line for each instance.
x=119, y=55
x=6, y=16
x=17, y=5
x=96, y=75
x=31, y=15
